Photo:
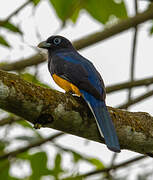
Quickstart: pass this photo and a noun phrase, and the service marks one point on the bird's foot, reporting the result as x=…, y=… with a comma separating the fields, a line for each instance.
x=37, y=126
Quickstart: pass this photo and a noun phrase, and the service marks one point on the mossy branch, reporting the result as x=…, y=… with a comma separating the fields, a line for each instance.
x=53, y=109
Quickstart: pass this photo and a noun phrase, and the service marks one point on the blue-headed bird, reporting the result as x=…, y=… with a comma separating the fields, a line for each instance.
x=77, y=75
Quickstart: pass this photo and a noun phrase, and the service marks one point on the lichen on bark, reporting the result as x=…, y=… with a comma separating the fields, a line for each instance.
x=64, y=112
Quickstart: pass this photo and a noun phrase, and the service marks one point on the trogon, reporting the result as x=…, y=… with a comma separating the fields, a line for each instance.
x=77, y=75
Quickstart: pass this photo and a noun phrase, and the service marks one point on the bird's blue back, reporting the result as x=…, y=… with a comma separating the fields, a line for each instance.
x=93, y=75
x=97, y=105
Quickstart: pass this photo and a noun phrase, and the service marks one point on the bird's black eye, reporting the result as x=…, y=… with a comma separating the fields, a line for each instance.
x=57, y=41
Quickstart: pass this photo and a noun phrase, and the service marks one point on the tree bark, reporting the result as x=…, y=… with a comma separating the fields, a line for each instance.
x=50, y=108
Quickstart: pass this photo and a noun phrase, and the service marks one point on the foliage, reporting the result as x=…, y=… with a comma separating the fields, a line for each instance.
x=36, y=2
x=151, y=29
x=11, y=27
x=33, y=79
x=4, y=42
x=39, y=160
x=99, y=10
x=102, y=11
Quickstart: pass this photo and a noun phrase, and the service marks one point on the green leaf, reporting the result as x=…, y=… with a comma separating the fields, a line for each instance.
x=75, y=15
x=24, y=155
x=11, y=27
x=96, y=162
x=57, y=170
x=151, y=30
x=4, y=42
x=67, y=9
x=101, y=10
x=24, y=124
x=77, y=157
x=13, y=178
x=2, y=146
x=35, y=2
x=31, y=78
x=38, y=163
x=58, y=162
x=4, y=166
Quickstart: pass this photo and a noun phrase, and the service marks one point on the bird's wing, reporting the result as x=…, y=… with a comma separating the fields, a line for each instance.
x=79, y=72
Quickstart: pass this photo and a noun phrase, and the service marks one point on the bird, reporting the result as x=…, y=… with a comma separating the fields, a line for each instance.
x=77, y=75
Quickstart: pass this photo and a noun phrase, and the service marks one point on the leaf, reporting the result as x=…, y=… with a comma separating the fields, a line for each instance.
x=38, y=163
x=25, y=124
x=57, y=166
x=11, y=27
x=101, y=10
x=75, y=15
x=24, y=155
x=31, y=78
x=2, y=146
x=35, y=2
x=151, y=30
x=77, y=157
x=4, y=42
x=96, y=162
x=67, y=9
x=4, y=166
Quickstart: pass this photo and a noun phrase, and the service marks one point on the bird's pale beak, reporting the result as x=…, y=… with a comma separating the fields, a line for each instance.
x=44, y=45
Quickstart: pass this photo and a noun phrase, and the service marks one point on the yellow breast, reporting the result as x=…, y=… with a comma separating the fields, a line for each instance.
x=67, y=86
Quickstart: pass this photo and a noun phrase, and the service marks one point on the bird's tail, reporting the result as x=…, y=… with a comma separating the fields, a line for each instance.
x=103, y=120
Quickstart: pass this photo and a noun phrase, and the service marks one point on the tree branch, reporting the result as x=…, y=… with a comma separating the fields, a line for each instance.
x=3, y=22
x=9, y=120
x=136, y=100
x=53, y=109
x=91, y=39
x=32, y=145
x=133, y=55
x=18, y=9
x=121, y=26
x=114, y=167
x=21, y=64
x=129, y=84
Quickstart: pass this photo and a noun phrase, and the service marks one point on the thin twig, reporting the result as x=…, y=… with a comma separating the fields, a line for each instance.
x=10, y=120
x=136, y=100
x=5, y=21
x=113, y=159
x=17, y=10
x=132, y=69
x=32, y=145
x=121, y=26
x=91, y=39
x=108, y=174
x=23, y=63
x=114, y=167
x=129, y=84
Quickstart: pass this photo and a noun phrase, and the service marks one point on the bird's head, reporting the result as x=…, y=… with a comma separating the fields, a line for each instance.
x=54, y=43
